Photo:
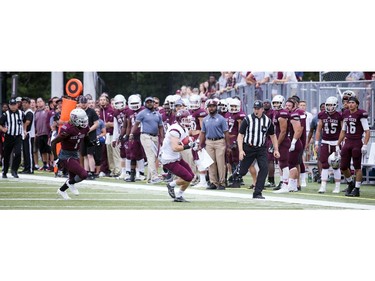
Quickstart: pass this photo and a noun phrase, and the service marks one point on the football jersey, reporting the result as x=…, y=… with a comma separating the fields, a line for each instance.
x=282, y=113
x=331, y=125
x=233, y=124
x=167, y=155
x=197, y=113
x=72, y=136
x=132, y=115
x=352, y=123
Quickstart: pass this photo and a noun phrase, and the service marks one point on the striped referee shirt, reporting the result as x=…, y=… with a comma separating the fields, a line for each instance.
x=13, y=121
x=255, y=130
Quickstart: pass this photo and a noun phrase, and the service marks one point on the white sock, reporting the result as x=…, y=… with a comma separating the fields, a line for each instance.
x=285, y=174
x=303, y=176
x=337, y=174
x=141, y=165
x=292, y=184
x=348, y=180
x=324, y=175
x=357, y=184
x=127, y=165
x=180, y=193
x=337, y=184
x=173, y=183
x=324, y=183
x=202, y=178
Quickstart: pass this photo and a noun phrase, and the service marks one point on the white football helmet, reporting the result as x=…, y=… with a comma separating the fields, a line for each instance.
x=223, y=105
x=134, y=102
x=234, y=105
x=119, y=102
x=347, y=94
x=195, y=102
x=172, y=101
x=278, y=102
x=334, y=161
x=184, y=118
x=331, y=104
x=78, y=118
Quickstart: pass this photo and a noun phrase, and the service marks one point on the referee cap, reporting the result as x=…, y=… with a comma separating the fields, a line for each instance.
x=258, y=104
x=13, y=101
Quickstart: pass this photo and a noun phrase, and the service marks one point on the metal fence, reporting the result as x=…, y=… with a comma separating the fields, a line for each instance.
x=314, y=93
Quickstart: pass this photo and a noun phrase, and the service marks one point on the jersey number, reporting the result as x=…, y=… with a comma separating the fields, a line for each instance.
x=333, y=128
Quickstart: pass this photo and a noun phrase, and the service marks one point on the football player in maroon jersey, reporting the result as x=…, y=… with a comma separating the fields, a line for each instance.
x=355, y=124
x=71, y=135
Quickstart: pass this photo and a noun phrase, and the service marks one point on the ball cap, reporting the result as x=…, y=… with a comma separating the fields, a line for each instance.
x=82, y=99
x=149, y=99
x=258, y=104
x=13, y=101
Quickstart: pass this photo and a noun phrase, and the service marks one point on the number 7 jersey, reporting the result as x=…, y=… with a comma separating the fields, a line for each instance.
x=331, y=125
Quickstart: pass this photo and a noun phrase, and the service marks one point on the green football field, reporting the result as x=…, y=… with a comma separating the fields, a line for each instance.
x=38, y=192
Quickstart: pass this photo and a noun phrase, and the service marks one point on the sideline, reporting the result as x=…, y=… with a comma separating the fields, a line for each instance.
x=226, y=194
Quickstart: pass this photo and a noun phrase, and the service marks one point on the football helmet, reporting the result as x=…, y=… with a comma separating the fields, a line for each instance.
x=278, y=102
x=334, y=161
x=172, y=101
x=347, y=94
x=195, y=101
x=184, y=118
x=331, y=104
x=119, y=102
x=234, y=105
x=78, y=118
x=134, y=102
x=223, y=105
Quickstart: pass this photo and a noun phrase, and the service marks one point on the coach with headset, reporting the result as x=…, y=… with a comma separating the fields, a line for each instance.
x=252, y=145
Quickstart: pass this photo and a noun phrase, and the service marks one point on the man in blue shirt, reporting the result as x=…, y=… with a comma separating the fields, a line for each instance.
x=215, y=135
x=151, y=132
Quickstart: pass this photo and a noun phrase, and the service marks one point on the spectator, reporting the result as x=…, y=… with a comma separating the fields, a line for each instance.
x=28, y=138
x=42, y=132
x=88, y=150
x=4, y=108
x=213, y=85
x=299, y=76
x=100, y=135
x=355, y=76
x=311, y=137
x=288, y=77
x=215, y=135
x=111, y=157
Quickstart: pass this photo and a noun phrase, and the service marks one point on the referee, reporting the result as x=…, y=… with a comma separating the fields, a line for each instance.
x=11, y=123
x=252, y=145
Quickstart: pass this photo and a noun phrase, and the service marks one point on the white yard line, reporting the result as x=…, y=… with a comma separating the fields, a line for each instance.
x=225, y=194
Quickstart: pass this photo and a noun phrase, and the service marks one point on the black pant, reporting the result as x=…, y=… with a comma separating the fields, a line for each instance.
x=28, y=154
x=260, y=154
x=12, y=144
